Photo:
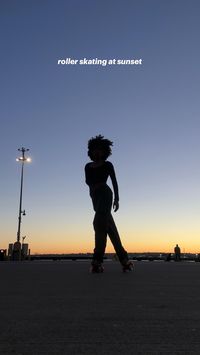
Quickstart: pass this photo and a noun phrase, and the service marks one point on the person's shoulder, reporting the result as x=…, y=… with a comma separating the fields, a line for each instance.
x=109, y=164
x=88, y=165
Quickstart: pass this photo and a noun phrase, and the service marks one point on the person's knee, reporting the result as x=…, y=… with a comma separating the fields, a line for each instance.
x=100, y=222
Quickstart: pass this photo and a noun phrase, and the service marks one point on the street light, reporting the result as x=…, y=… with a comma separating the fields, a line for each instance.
x=21, y=159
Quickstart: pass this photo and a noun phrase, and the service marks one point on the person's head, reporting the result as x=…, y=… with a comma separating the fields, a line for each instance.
x=99, y=148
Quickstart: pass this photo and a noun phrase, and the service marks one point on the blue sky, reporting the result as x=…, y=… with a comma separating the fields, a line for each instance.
x=151, y=112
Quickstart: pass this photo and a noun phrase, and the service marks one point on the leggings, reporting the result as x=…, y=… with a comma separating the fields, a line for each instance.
x=104, y=225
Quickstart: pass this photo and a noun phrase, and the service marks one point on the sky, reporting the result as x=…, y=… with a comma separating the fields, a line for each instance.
x=151, y=112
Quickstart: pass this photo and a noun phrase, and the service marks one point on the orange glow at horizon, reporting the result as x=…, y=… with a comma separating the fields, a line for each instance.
x=49, y=239
x=140, y=245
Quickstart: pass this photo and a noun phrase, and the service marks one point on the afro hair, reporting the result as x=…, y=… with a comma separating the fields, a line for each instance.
x=99, y=142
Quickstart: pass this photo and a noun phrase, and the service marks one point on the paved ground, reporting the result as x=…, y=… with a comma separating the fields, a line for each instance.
x=59, y=308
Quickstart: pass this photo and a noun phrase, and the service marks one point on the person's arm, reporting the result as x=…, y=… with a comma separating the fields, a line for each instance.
x=115, y=188
x=87, y=175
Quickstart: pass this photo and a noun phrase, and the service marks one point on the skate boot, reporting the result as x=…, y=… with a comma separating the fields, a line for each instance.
x=127, y=266
x=96, y=267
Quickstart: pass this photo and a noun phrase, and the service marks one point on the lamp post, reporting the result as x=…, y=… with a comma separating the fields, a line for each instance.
x=22, y=159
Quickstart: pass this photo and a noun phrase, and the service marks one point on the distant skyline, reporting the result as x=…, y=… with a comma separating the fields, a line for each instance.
x=150, y=111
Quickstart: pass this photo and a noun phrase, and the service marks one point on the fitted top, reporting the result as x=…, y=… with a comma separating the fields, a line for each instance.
x=99, y=175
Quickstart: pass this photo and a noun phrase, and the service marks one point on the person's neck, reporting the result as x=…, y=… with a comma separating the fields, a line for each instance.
x=98, y=162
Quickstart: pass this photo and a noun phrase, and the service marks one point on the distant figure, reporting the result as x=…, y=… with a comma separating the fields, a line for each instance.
x=177, y=252
x=96, y=174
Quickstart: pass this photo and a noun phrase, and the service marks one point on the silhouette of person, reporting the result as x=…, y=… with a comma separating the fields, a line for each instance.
x=177, y=252
x=96, y=175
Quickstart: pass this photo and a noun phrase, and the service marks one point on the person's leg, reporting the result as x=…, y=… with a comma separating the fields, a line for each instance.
x=102, y=202
x=116, y=241
x=100, y=228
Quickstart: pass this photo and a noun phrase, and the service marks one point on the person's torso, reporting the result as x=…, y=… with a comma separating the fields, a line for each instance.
x=98, y=174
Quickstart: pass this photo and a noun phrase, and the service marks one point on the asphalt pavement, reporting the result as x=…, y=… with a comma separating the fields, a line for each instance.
x=58, y=307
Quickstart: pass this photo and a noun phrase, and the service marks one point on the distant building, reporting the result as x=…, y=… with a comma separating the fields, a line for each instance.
x=2, y=254
x=25, y=249
x=18, y=251
x=10, y=249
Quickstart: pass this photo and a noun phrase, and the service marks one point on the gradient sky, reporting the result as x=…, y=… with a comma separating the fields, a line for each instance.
x=151, y=112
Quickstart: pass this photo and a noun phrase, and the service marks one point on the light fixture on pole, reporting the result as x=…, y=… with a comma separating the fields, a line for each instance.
x=21, y=159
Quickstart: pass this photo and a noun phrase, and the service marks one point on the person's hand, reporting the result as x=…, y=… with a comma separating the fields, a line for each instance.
x=115, y=205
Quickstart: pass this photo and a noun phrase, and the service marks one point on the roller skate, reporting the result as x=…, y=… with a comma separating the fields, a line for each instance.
x=127, y=266
x=96, y=267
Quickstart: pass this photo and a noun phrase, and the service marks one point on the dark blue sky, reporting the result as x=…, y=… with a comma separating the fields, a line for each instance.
x=151, y=112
